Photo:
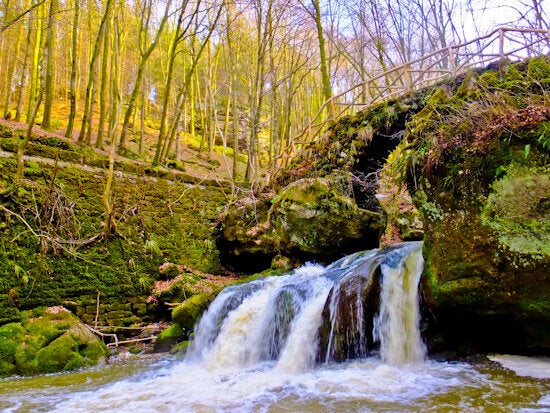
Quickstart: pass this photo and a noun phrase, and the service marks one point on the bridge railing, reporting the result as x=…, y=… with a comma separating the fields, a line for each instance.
x=502, y=43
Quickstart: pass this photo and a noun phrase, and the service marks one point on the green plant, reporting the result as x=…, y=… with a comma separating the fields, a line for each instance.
x=152, y=247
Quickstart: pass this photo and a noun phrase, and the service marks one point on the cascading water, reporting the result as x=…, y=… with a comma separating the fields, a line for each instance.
x=286, y=318
x=275, y=345
x=397, y=325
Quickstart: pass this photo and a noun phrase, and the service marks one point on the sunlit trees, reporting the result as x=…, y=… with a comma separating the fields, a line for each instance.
x=250, y=76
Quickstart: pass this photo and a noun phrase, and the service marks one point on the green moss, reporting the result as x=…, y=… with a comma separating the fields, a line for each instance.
x=7, y=369
x=519, y=211
x=61, y=354
x=176, y=216
x=537, y=305
x=538, y=69
x=189, y=312
x=25, y=359
x=10, y=337
x=180, y=349
x=542, y=136
x=422, y=121
x=49, y=340
x=513, y=74
x=170, y=336
x=89, y=346
x=489, y=80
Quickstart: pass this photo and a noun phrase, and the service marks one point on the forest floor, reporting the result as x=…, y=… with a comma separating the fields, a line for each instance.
x=201, y=164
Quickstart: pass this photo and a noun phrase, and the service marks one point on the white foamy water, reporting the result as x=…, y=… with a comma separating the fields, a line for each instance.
x=194, y=388
x=399, y=318
x=538, y=367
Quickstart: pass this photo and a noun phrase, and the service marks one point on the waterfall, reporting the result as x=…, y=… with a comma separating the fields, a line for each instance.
x=397, y=325
x=343, y=311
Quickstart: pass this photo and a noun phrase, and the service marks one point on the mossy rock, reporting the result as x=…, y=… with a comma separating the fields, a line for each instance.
x=25, y=359
x=317, y=216
x=47, y=341
x=61, y=354
x=180, y=349
x=188, y=313
x=169, y=337
x=10, y=337
x=518, y=210
x=479, y=176
x=246, y=239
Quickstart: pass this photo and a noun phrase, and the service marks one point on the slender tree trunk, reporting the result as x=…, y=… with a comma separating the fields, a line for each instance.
x=139, y=76
x=142, y=114
x=49, y=51
x=73, y=94
x=92, y=74
x=37, y=58
x=103, y=101
x=24, y=75
x=168, y=84
x=187, y=87
x=109, y=228
x=325, y=75
x=12, y=65
x=30, y=123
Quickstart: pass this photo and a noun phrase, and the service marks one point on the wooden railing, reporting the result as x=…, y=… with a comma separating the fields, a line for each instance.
x=502, y=43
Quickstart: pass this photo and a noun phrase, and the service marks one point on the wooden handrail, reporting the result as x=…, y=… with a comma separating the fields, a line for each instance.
x=428, y=70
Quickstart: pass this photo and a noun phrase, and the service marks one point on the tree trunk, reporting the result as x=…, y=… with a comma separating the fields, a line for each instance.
x=92, y=74
x=103, y=101
x=12, y=65
x=73, y=94
x=325, y=75
x=49, y=51
x=37, y=58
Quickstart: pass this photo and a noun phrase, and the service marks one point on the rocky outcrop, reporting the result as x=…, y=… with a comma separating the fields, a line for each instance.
x=328, y=201
x=469, y=169
x=479, y=168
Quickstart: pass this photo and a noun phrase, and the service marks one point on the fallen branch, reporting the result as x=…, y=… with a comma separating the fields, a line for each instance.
x=102, y=335
x=133, y=340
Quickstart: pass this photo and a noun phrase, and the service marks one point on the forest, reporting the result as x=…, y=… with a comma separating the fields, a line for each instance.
x=249, y=77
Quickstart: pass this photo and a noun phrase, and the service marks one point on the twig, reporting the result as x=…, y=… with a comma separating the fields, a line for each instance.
x=97, y=310
x=100, y=334
x=15, y=214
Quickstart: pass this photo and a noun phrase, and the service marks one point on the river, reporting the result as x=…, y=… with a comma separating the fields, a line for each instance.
x=153, y=384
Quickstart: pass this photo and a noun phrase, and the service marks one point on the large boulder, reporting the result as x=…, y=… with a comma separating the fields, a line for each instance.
x=309, y=219
x=318, y=217
x=245, y=235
